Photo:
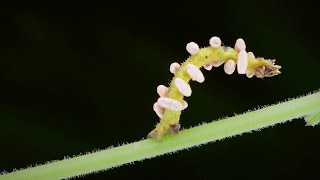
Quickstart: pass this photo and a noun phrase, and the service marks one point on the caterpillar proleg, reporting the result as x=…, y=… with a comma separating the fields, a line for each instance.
x=171, y=101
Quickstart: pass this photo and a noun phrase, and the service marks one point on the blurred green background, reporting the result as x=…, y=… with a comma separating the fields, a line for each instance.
x=84, y=77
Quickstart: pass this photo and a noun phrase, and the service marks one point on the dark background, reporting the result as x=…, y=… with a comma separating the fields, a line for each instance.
x=83, y=77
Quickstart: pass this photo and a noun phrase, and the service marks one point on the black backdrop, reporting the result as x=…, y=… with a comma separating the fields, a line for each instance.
x=83, y=77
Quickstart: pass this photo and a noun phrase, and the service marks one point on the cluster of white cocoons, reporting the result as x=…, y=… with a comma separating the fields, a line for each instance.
x=230, y=65
x=196, y=75
x=183, y=87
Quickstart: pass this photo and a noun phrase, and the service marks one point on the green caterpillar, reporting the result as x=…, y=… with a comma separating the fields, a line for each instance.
x=171, y=102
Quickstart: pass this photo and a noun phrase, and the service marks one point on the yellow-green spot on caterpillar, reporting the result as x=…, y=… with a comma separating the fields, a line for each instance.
x=208, y=57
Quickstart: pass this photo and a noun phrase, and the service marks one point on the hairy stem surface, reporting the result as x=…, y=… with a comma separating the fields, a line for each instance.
x=187, y=138
x=313, y=119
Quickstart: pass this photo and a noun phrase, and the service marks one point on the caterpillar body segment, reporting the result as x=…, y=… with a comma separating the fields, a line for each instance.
x=171, y=103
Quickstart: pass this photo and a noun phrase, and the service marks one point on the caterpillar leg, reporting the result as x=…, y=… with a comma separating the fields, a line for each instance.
x=157, y=133
x=175, y=128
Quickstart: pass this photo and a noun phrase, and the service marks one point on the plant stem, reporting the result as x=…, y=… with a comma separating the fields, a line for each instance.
x=313, y=119
x=137, y=151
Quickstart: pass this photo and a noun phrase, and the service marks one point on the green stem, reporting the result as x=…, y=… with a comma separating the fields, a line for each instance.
x=313, y=119
x=187, y=138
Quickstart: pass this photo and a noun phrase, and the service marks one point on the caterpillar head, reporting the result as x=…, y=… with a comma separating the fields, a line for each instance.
x=268, y=69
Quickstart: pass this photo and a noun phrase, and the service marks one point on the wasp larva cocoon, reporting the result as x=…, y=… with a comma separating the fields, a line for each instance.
x=184, y=104
x=195, y=73
x=169, y=103
x=158, y=109
x=217, y=63
x=192, y=48
x=240, y=45
x=183, y=87
x=249, y=74
x=215, y=42
x=242, y=63
x=162, y=91
x=251, y=55
x=208, y=67
x=174, y=67
x=229, y=66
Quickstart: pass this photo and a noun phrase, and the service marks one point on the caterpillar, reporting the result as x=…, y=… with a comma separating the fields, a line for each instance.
x=171, y=101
